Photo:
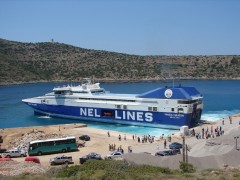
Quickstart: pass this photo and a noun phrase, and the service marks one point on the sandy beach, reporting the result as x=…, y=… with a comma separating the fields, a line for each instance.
x=217, y=152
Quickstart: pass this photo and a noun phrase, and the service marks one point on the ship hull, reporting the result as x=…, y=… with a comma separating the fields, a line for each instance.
x=118, y=116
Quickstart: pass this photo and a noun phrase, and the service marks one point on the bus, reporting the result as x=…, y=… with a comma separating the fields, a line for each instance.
x=49, y=146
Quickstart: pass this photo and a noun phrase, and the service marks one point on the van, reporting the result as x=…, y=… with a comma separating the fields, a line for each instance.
x=32, y=159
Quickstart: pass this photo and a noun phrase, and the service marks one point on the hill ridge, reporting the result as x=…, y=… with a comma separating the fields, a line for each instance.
x=47, y=61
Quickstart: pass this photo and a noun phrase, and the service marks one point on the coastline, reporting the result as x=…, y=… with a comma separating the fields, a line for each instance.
x=118, y=80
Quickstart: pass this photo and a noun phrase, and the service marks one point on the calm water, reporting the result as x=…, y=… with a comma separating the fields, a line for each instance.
x=221, y=99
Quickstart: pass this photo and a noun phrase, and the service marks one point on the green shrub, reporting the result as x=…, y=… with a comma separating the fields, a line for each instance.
x=186, y=167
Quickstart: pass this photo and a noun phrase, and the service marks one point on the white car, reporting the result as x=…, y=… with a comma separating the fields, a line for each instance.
x=15, y=153
x=115, y=154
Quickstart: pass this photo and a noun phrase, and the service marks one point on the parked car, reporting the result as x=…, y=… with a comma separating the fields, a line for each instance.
x=170, y=152
x=15, y=153
x=5, y=159
x=85, y=138
x=32, y=159
x=175, y=145
x=61, y=160
x=89, y=156
x=115, y=154
x=2, y=150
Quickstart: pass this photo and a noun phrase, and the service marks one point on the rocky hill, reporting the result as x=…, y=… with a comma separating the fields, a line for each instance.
x=47, y=61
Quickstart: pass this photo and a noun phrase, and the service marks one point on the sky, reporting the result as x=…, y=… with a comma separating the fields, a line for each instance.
x=140, y=27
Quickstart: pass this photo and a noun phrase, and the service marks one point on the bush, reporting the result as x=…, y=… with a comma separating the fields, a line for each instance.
x=186, y=167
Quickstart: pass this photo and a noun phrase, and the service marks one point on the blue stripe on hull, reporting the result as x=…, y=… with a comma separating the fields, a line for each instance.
x=120, y=116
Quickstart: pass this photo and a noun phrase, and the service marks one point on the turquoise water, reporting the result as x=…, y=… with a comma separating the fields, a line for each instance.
x=221, y=99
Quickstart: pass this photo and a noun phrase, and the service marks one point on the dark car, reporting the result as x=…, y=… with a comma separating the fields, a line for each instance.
x=85, y=138
x=175, y=145
x=170, y=152
x=90, y=156
x=2, y=150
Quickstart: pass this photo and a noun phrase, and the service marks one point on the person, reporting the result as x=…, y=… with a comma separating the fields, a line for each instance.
x=133, y=137
x=223, y=121
x=108, y=134
x=230, y=119
x=203, y=133
x=125, y=137
x=119, y=137
x=165, y=143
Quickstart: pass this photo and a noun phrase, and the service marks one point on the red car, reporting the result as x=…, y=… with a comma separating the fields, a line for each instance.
x=32, y=159
x=5, y=159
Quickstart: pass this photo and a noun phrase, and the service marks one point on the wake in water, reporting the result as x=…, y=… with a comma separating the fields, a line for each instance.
x=217, y=115
x=44, y=117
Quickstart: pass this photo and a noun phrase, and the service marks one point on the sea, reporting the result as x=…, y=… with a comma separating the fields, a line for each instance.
x=221, y=99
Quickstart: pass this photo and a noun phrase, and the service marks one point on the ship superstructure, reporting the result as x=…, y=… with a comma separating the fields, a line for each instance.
x=168, y=107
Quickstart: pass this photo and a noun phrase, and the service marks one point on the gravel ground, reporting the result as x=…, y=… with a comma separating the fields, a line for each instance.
x=14, y=168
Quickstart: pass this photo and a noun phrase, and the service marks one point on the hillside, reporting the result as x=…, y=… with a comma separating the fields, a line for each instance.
x=33, y=62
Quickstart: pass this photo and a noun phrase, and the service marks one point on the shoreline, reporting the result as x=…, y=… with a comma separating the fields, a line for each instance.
x=113, y=81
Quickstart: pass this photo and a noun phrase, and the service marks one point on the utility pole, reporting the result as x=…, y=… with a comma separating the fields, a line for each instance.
x=236, y=138
x=184, y=151
x=186, y=154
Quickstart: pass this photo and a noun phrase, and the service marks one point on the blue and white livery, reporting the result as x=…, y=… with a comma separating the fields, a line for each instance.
x=168, y=107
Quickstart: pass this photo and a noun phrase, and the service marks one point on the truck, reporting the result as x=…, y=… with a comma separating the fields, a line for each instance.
x=15, y=153
x=61, y=160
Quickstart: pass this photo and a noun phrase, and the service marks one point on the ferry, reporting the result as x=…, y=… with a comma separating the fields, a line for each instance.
x=164, y=107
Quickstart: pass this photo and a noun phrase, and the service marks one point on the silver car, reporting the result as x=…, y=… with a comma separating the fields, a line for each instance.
x=115, y=154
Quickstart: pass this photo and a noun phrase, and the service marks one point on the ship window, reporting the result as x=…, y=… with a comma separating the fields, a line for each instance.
x=186, y=101
x=172, y=109
x=124, y=106
x=118, y=106
x=85, y=92
x=152, y=108
x=180, y=110
x=97, y=91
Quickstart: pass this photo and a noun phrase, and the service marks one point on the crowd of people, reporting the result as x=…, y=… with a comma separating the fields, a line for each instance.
x=211, y=132
x=204, y=133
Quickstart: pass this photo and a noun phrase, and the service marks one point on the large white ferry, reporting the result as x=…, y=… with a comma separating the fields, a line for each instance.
x=168, y=107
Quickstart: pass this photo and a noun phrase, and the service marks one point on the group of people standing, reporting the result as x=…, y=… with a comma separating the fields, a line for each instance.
x=213, y=132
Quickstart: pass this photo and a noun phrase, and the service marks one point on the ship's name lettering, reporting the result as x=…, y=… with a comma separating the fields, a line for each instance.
x=175, y=116
x=124, y=115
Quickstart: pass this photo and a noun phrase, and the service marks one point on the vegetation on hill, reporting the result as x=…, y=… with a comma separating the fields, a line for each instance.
x=116, y=169
x=33, y=62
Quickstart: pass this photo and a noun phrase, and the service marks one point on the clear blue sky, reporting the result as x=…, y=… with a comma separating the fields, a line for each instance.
x=142, y=27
